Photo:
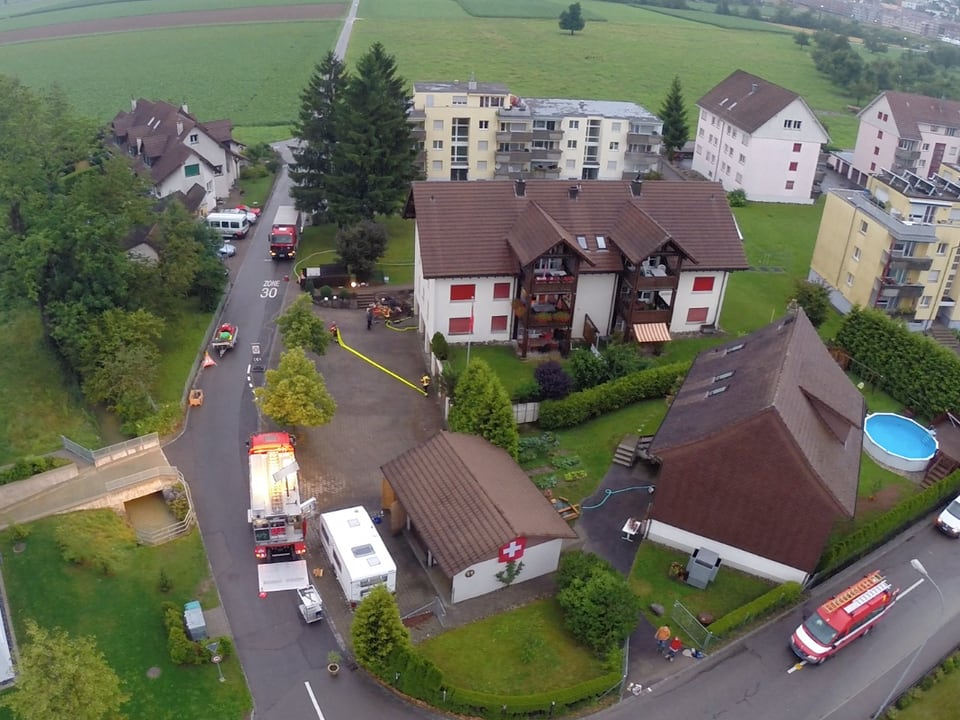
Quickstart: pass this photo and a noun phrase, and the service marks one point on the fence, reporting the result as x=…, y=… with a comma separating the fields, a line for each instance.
x=526, y=412
x=142, y=476
x=120, y=450
x=77, y=449
x=162, y=535
x=693, y=627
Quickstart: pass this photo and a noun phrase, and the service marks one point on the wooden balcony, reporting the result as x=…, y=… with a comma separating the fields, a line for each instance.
x=643, y=312
x=553, y=284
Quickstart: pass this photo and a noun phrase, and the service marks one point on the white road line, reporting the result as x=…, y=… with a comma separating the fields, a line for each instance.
x=797, y=666
x=248, y=370
x=903, y=593
x=313, y=699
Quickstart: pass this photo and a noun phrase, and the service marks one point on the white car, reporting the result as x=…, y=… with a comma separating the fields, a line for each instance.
x=251, y=216
x=949, y=520
x=227, y=250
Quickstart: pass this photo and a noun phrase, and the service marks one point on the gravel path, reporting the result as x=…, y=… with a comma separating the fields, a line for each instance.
x=283, y=13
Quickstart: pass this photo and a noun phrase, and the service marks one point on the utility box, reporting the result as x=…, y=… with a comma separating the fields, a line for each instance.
x=193, y=619
x=702, y=568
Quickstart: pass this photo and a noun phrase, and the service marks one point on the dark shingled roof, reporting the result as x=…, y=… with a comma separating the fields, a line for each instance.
x=746, y=101
x=465, y=229
x=910, y=110
x=468, y=498
x=783, y=437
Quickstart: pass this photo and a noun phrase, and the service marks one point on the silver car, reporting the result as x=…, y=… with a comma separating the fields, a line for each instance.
x=948, y=521
x=227, y=250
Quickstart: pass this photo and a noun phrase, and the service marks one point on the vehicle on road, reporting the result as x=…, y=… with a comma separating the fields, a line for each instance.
x=285, y=233
x=253, y=212
x=948, y=522
x=359, y=558
x=225, y=338
x=843, y=618
x=279, y=525
x=227, y=250
x=229, y=224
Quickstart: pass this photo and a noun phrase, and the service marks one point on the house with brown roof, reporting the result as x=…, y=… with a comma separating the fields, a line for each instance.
x=755, y=136
x=901, y=132
x=469, y=510
x=760, y=453
x=544, y=262
x=176, y=152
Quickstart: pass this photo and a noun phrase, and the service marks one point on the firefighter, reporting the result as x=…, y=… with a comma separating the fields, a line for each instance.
x=425, y=384
x=333, y=329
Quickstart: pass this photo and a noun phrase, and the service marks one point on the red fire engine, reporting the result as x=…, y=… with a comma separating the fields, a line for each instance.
x=843, y=618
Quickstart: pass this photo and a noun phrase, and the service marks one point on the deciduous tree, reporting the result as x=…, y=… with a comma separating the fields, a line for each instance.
x=377, y=630
x=299, y=327
x=676, y=131
x=294, y=393
x=572, y=19
x=361, y=245
x=483, y=408
x=814, y=299
x=600, y=610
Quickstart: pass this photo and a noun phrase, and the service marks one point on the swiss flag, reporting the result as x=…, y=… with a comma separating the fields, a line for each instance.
x=513, y=550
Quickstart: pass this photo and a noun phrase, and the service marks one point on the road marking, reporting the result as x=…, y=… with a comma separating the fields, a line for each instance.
x=313, y=699
x=798, y=666
x=903, y=593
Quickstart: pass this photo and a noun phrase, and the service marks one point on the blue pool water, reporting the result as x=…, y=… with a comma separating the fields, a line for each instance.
x=900, y=436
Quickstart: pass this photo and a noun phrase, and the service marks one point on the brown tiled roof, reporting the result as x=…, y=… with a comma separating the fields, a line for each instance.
x=782, y=440
x=746, y=101
x=909, y=110
x=468, y=498
x=219, y=130
x=463, y=226
x=535, y=232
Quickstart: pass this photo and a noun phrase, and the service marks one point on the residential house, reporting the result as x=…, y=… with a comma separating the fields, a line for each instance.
x=545, y=262
x=141, y=243
x=175, y=151
x=469, y=509
x=758, y=137
x=901, y=132
x=760, y=453
x=482, y=131
x=893, y=246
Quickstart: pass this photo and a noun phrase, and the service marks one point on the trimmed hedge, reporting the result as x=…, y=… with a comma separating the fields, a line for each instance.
x=879, y=528
x=779, y=597
x=581, y=406
x=29, y=466
x=490, y=704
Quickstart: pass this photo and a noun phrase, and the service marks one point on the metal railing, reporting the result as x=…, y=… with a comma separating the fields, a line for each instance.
x=124, y=449
x=162, y=535
x=143, y=476
x=77, y=449
x=693, y=627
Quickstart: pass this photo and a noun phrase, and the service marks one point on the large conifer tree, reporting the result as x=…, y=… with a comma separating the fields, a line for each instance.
x=676, y=132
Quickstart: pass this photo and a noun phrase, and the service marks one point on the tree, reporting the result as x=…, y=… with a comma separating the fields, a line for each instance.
x=552, y=380
x=373, y=160
x=802, y=39
x=377, y=630
x=676, y=132
x=572, y=19
x=299, y=327
x=64, y=677
x=622, y=359
x=600, y=610
x=586, y=368
x=294, y=393
x=483, y=408
x=316, y=130
x=361, y=245
x=814, y=299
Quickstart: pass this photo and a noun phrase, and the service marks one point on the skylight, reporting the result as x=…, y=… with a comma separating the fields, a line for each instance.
x=717, y=390
x=582, y=241
x=601, y=242
x=734, y=348
x=724, y=375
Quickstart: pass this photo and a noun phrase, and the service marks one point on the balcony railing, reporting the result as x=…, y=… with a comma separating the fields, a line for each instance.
x=515, y=136
x=553, y=284
x=909, y=262
x=544, y=154
x=642, y=312
x=513, y=156
x=553, y=135
x=643, y=139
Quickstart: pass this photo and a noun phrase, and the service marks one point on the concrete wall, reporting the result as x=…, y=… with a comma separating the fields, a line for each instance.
x=14, y=492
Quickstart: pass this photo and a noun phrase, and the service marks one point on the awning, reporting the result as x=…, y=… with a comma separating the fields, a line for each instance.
x=651, y=332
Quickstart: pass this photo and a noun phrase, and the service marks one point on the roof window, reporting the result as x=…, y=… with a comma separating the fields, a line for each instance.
x=723, y=375
x=601, y=242
x=734, y=348
x=582, y=241
x=717, y=390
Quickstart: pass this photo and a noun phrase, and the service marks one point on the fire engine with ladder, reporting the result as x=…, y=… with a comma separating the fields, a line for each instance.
x=846, y=616
x=279, y=520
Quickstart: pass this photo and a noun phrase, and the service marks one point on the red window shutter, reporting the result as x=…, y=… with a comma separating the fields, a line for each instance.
x=498, y=323
x=462, y=292
x=697, y=315
x=459, y=326
x=703, y=284
x=501, y=291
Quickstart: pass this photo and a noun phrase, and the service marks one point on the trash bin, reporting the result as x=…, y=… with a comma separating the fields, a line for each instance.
x=702, y=568
x=194, y=620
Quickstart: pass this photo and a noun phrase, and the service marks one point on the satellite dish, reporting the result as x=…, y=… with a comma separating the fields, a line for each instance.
x=497, y=166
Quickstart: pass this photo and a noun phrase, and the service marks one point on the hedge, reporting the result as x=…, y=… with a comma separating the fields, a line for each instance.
x=882, y=526
x=912, y=368
x=29, y=466
x=779, y=597
x=473, y=701
x=581, y=406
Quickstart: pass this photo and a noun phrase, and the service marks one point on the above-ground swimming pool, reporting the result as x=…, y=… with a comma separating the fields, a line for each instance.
x=898, y=442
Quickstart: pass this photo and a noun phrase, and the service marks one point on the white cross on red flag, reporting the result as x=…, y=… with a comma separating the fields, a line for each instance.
x=513, y=550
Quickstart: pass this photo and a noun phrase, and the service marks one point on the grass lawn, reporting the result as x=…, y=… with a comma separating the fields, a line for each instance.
x=179, y=347
x=123, y=613
x=37, y=402
x=513, y=372
x=256, y=191
x=940, y=702
x=651, y=581
x=532, y=650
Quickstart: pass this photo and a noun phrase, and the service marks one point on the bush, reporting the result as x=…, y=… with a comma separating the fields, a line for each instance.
x=778, y=597
x=164, y=421
x=94, y=538
x=29, y=466
x=579, y=565
x=176, y=498
x=737, y=198
x=622, y=359
x=439, y=346
x=450, y=376
x=325, y=292
x=528, y=392
x=164, y=583
x=586, y=369
x=554, y=382
x=581, y=406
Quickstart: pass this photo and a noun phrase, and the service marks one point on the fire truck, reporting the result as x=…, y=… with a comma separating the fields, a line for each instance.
x=843, y=618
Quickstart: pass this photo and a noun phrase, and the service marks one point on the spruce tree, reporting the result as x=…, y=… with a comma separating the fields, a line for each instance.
x=316, y=130
x=377, y=630
x=676, y=132
x=483, y=408
x=373, y=160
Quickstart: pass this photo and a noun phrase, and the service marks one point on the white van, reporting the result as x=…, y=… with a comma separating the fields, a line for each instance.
x=229, y=224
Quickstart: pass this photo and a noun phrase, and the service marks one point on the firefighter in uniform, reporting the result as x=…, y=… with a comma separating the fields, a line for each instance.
x=425, y=384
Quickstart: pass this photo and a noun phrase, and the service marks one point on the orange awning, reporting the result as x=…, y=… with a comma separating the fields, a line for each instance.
x=651, y=332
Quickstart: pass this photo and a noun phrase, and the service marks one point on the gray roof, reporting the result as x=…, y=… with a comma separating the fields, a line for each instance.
x=569, y=107
x=467, y=87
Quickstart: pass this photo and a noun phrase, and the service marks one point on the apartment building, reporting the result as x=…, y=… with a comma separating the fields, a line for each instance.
x=482, y=131
x=758, y=137
x=894, y=246
x=901, y=132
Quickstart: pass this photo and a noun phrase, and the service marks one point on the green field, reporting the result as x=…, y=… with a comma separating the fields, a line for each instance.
x=541, y=9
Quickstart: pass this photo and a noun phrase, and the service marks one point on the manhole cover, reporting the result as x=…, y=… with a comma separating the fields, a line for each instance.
x=19, y=547
x=153, y=673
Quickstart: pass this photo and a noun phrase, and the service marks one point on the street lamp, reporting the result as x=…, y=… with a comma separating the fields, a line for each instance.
x=918, y=566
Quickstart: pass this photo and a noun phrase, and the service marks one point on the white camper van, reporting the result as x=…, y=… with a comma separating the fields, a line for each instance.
x=360, y=559
x=229, y=224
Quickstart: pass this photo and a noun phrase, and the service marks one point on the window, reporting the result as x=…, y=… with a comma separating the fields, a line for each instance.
x=437, y=164
x=438, y=124
x=498, y=323
x=582, y=241
x=491, y=101
x=863, y=227
x=873, y=167
x=926, y=146
x=925, y=301
x=697, y=315
x=856, y=254
x=797, y=147
x=885, y=117
x=614, y=145
x=876, y=151
x=879, y=134
x=482, y=145
x=788, y=185
x=601, y=242
x=484, y=124
x=458, y=174
x=191, y=170
x=739, y=178
x=481, y=164
x=734, y=348
x=743, y=158
x=879, y=115
x=571, y=164
x=611, y=164
x=501, y=291
x=573, y=125
x=703, y=284
x=615, y=127
x=933, y=276
x=194, y=139
x=793, y=166
x=459, y=99
x=438, y=144
x=462, y=292
x=459, y=326
x=941, y=248
x=717, y=390
x=571, y=144
x=849, y=280
x=724, y=375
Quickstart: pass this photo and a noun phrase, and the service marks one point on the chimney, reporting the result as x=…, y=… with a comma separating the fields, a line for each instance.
x=574, y=191
x=133, y=104
x=472, y=82
x=520, y=185
x=185, y=109
x=582, y=105
x=635, y=187
x=753, y=88
x=179, y=128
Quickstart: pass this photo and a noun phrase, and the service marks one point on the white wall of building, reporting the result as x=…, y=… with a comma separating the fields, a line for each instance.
x=730, y=556
x=686, y=299
x=877, y=138
x=537, y=560
x=595, y=297
x=178, y=180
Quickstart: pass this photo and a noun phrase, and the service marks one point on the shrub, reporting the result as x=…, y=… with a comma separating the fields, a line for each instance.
x=225, y=647
x=94, y=538
x=20, y=532
x=553, y=380
x=779, y=597
x=439, y=346
x=528, y=392
x=163, y=421
x=29, y=466
x=586, y=369
x=164, y=583
x=579, y=565
x=814, y=299
x=622, y=359
x=176, y=498
x=325, y=292
x=601, y=610
x=737, y=198
x=450, y=376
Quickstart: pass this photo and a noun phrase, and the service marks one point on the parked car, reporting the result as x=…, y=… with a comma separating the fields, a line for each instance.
x=252, y=214
x=227, y=250
x=949, y=520
x=250, y=209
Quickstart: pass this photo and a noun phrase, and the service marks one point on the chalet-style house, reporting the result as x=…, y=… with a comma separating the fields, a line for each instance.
x=758, y=137
x=469, y=510
x=760, y=453
x=176, y=152
x=545, y=262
